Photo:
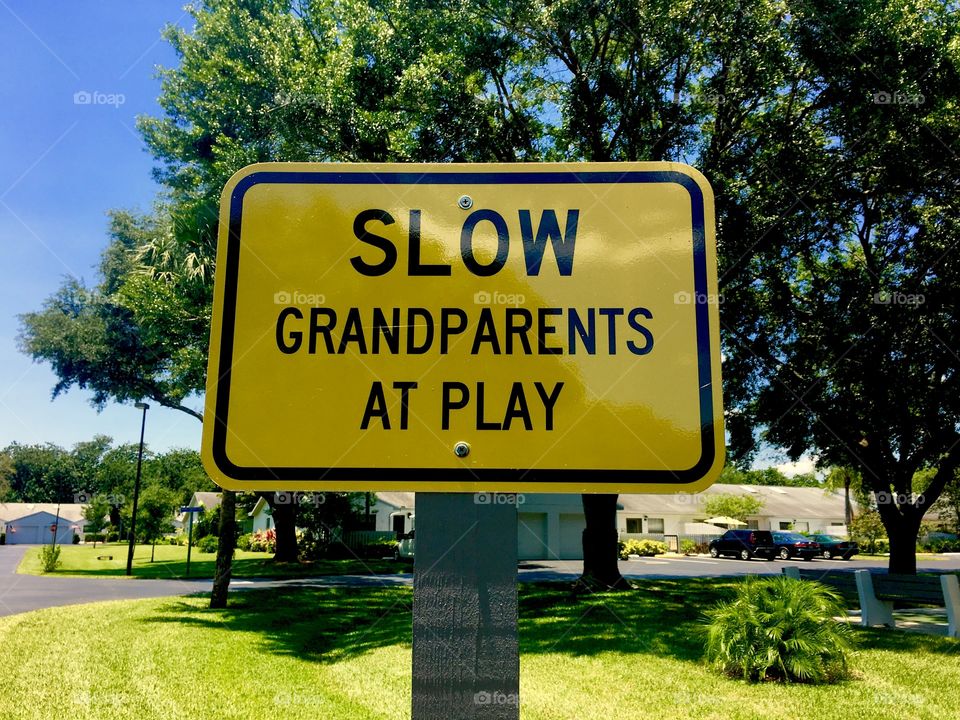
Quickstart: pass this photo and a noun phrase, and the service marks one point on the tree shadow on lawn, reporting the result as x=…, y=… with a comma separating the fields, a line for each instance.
x=318, y=624
x=660, y=617
x=328, y=624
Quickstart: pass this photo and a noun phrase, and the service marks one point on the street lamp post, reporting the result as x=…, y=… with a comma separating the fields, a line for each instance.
x=136, y=489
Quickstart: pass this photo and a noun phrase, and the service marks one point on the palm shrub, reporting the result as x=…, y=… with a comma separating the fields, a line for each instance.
x=780, y=628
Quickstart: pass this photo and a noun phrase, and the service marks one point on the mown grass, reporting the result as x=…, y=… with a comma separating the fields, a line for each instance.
x=170, y=563
x=342, y=652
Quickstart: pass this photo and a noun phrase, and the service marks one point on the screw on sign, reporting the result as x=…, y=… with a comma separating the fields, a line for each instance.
x=535, y=319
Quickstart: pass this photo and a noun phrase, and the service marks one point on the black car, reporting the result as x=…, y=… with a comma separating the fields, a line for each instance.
x=744, y=544
x=790, y=544
x=832, y=547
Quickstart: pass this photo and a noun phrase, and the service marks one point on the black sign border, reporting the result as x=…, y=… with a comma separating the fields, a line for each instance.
x=466, y=474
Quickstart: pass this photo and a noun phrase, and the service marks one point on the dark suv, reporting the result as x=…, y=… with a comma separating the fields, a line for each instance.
x=790, y=544
x=745, y=544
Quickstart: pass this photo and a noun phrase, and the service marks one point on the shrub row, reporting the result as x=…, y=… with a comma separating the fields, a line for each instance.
x=643, y=548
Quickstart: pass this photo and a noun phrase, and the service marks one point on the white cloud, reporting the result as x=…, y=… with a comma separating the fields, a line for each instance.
x=806, y=464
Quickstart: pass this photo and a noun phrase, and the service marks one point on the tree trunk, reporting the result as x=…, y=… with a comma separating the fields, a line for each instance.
x=600, y=553
x=847, y=507
x=285, y=522
x=225, y=546
x=903, y=547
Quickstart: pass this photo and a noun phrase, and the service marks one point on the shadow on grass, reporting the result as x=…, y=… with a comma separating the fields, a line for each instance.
x=314, y=624
x=659, y=617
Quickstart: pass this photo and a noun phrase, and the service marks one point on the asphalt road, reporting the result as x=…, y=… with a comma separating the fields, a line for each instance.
x=20, y=593
x=673, y=567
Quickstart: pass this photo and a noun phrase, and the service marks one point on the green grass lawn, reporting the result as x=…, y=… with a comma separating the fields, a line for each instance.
x=170, y=562
x=341, y=652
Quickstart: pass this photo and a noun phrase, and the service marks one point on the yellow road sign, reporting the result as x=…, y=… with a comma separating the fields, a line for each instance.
x=457, y=328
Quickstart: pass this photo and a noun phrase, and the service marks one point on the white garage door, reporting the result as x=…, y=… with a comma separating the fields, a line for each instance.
x=532, y=536
x=571, y=536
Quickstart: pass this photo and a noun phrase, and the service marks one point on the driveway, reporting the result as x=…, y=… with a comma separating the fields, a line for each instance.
x=20, y=593
x=703, y=566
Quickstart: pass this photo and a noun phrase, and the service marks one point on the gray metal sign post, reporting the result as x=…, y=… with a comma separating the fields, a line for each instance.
x=466, y=659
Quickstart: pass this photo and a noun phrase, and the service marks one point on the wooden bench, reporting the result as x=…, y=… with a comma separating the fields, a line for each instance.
x=876, y=594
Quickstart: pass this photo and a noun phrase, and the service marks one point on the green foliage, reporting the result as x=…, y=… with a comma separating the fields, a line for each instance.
x=768, y=476
x=867, y=530
x=155, y=512
x=244, y=541
x=780, y=628
x=642, y=547
x=49, y=558
x=97, y=514
x=94, y=537
x=207, y=544
x=739, y=507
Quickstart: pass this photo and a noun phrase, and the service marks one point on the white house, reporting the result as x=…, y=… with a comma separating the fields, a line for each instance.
x=207, y=500
x=394, y=511
x=261, y=516
x=550, y=526
x=32, y=523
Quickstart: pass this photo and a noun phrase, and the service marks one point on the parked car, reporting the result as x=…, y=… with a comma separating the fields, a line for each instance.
x=790, y=545
x=744, y=544
x=833, y=547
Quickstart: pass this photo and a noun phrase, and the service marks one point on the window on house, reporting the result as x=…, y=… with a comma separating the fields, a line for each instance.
x=753, y=524
x=801, y=527
x=786, y=525
x=634, y=525
x=655, y=525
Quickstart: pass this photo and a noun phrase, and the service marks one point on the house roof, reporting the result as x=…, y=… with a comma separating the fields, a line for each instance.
x=396, y=499
x=778, y=501
x=209, y=500
x=72, y=512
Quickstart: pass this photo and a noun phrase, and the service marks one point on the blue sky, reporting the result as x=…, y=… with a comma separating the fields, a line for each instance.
x=63, y=166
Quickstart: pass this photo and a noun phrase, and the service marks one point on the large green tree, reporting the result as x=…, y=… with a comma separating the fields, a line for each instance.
x=833, y=197
x=841, y=317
